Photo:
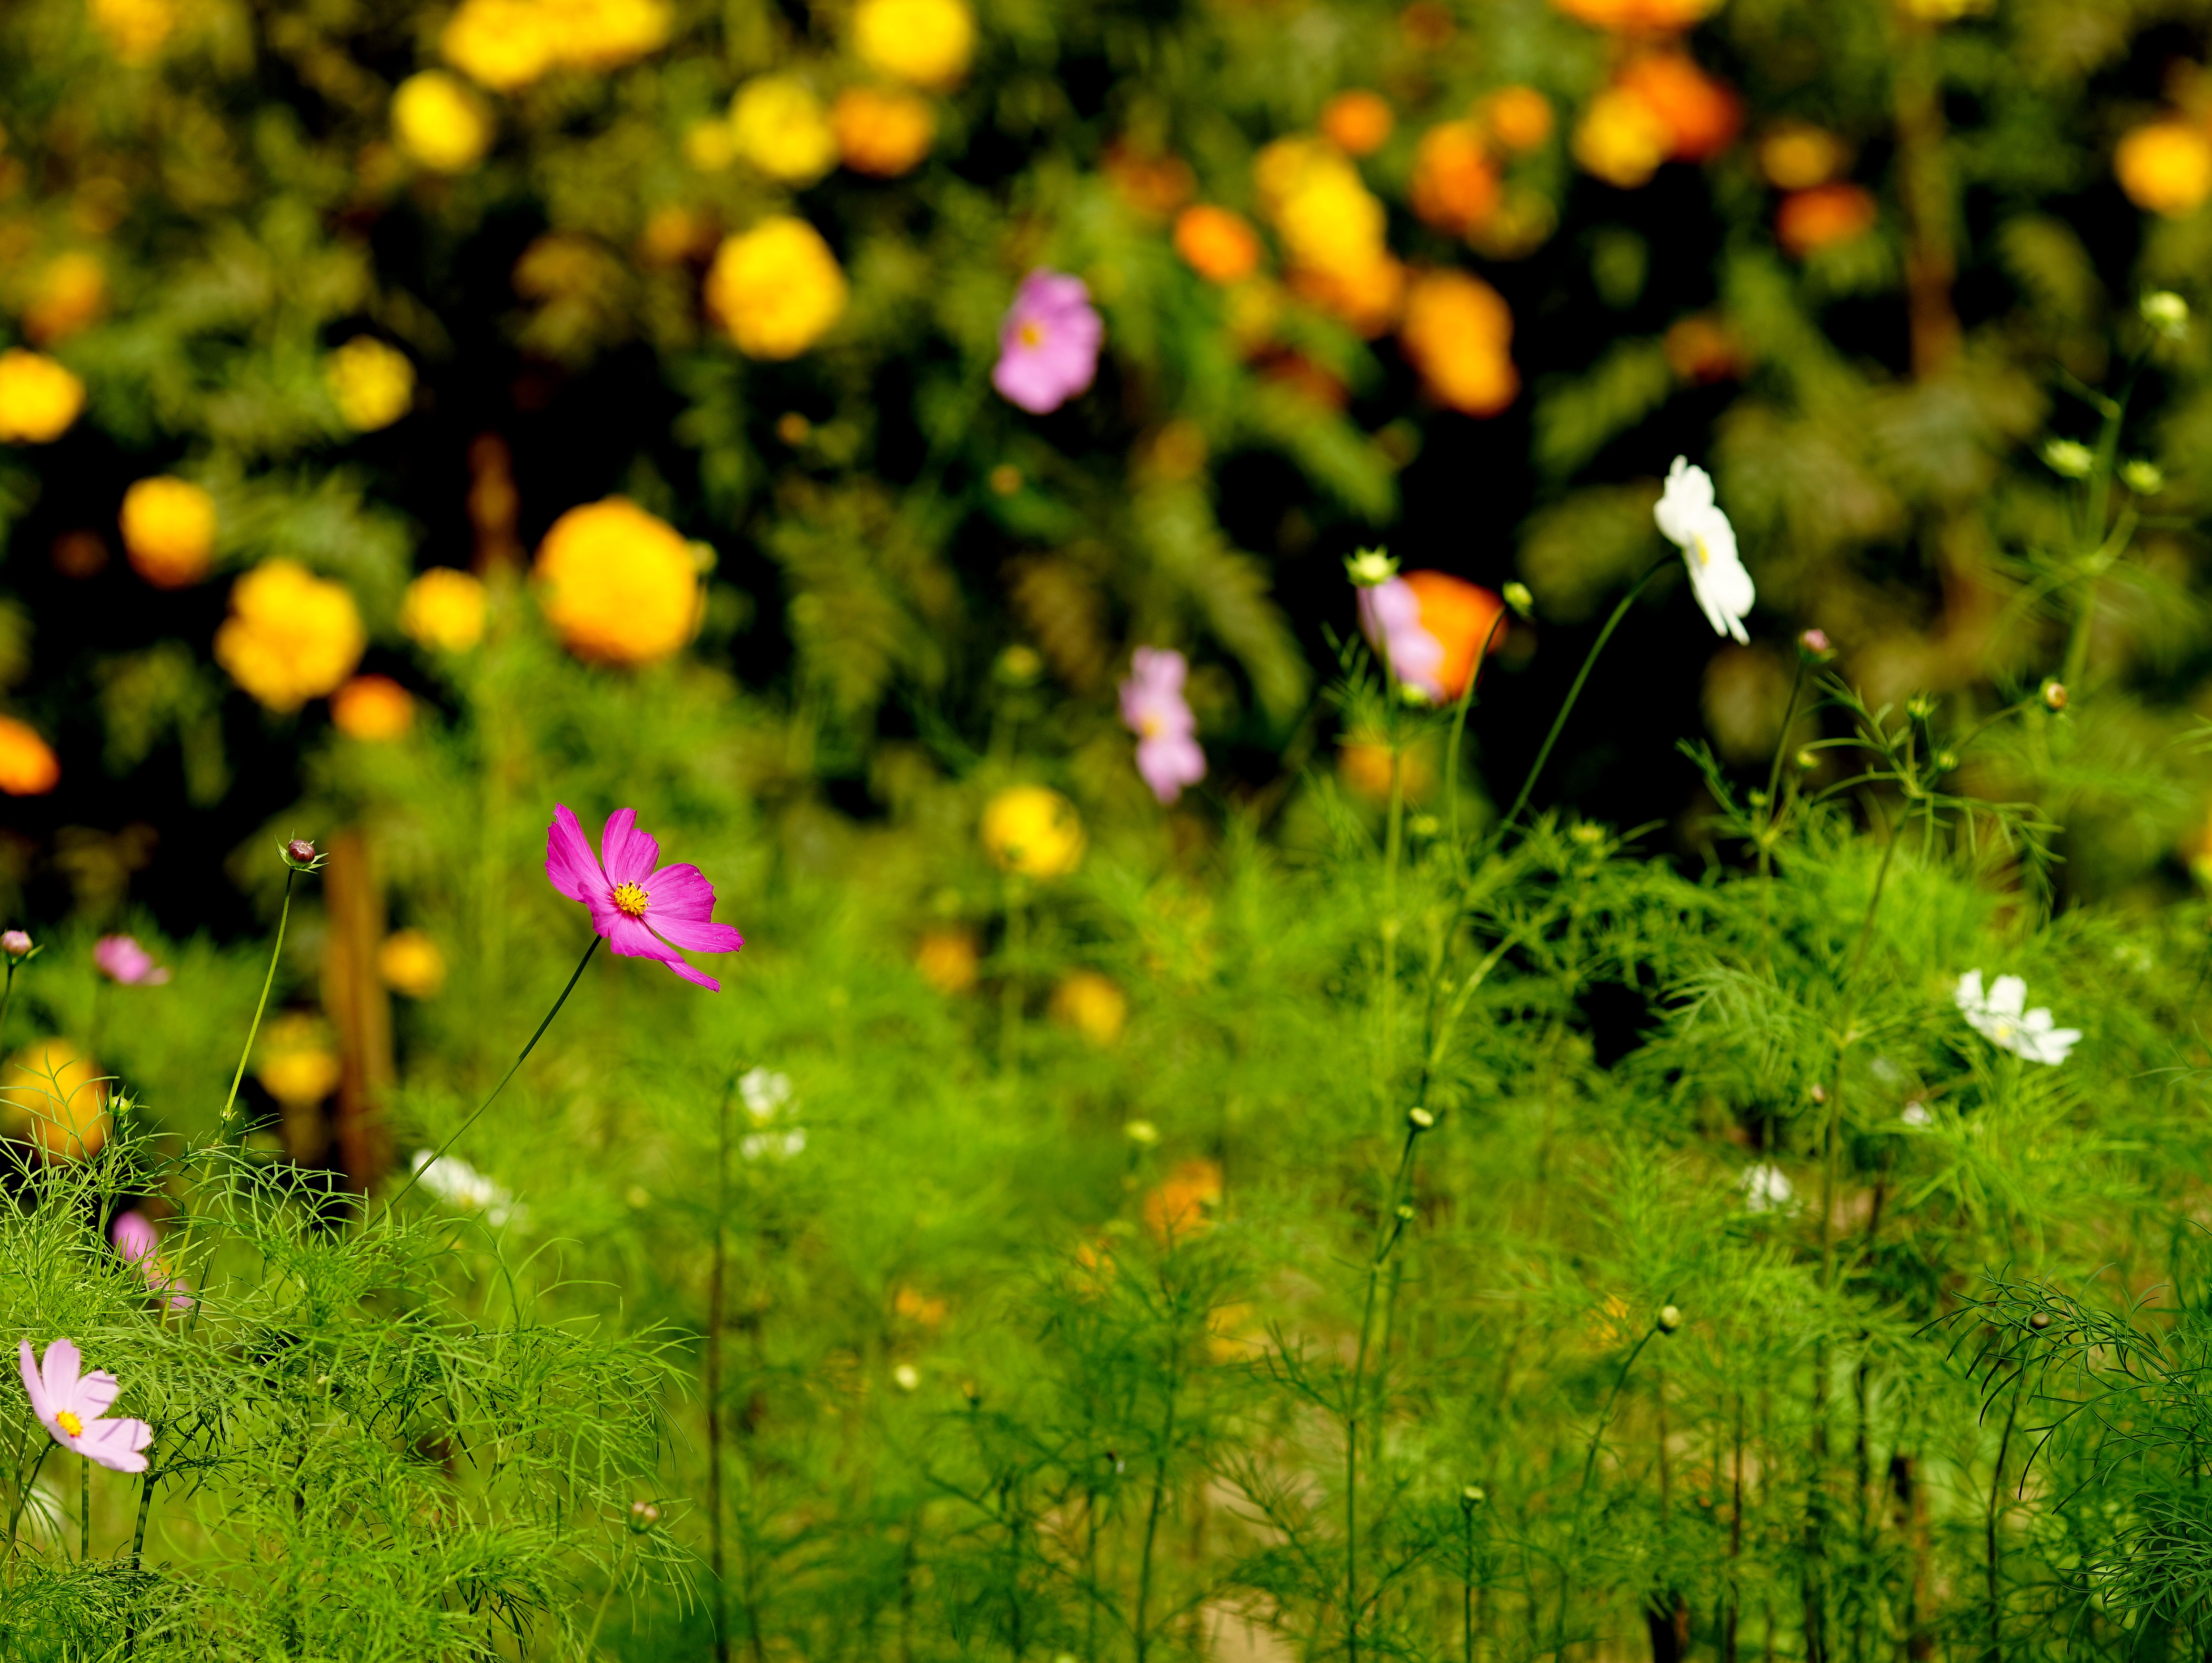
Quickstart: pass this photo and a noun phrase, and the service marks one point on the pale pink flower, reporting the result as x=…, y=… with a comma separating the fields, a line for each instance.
x=1152, y=704
x=1390, y=618
x=70, y=1406
x=1049, y=345
x=640, y=907
x=139, y=1241
x=121, y=959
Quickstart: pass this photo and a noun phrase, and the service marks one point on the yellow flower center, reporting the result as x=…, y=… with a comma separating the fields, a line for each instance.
x=68, y=1423
x=1704, y=555
x=1148, y=726
x=1032, y=335
x=2006, y=1032
x=631, y=899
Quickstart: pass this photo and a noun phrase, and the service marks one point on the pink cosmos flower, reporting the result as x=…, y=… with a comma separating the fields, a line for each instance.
x=639, y=907
x=1390, y=618
x=1152, y=704
x=70, y=1406
x=120, y=958
x=1049, y=345
x=139, y=1242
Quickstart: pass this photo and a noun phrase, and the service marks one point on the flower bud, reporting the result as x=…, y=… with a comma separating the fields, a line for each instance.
x=1946, y=760
x=2040, y=1321
x=1420, y=1118
x=2143, y=477
x=1813, y=645
x=1670, y=1318
x=1406, y=1213
x=906, y=1377
x=2167, y=312
x=16, y=944
x=2053, y=694
x=1807, y=760
x=299, y=855
x=1921, y=707
x=1143, y=1133
x=2066, y=458
x=1369, y=569
x=643, y=1515
x=1819, y=1093
x=1473, y=1497
x=1518, y=597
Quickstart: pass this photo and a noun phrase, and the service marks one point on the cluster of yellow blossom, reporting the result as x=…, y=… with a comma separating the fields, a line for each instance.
x=1033, y=831
x=2165, y=166
x=296, y=1063
x=778, y=125
x=372, y=384
x=168, y=527
x=290, y=636
x=439, y=123
x=67, y=296
x=444, y=608
x=776, y=289
x=505, y=45
x=39, y=398
x=619, y=585
x=1332, y=231
x=1819, y=208
x=882, y=133
x=925, y=43
x=28, y=766
x=135, y=29
x=1660, y=107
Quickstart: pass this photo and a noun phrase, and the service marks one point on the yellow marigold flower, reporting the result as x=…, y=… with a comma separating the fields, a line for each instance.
x=779, y=126
x=28, y=766
x=39, y=398
x=373, y=708
x=444, y=608
x=776, y=289
x=135, y=29
x=1093, y=1006
x=1519, y=118
x=1621, y=138
x=412, y=963
x=710, y=145
x=168, y=531
x=1796, y=155
x=300, y=1078
x=881, y=134
x=69, y=293
x=290, y=636
x=440, y=123
x=603, y=35
x=926, y=42
x=57, y=1094
x=2165, y=167
x=373, y=384
x=504, y=45
x=1034, y=831
x=948, y=958
x=1457, y=332
x=617, y=585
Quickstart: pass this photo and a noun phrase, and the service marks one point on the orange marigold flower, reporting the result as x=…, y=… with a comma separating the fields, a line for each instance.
x=881, y=134
x=1368, y=296
x=1358, y=121
x=1465, y=617
x=1702, y=349
x=290, y=636
x=69, y=293
x=373, y=708
x=1701, y=115
x=1826, y=214
x=1519, y=118
x=1621, y=138
x=1796, y=155
x=947, y=958
x=1217, y=243
x=1454, y=184
x=168, y=531
x=1183, y=1204
x=28, y=766
x=2165, y=167
x=1639, y=17
x=1457, y=333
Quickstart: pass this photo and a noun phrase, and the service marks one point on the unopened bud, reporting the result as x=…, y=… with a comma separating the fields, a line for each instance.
x=2167, y=312
x=1473, y=1497
x=2040, y=1321
x=16, y=944
x=1670, y=1318
x=1369, y=569
x=1143, y=1133
x=2143, y=478
x=1420, y=1118
x=2053, y=694
x=1406, y=1213
x=1946, y=760
x=1921, y=707
x=299, y=855
x=1815, y=646
x=1518, y=597
x=1019, y=665
x=906, y=1377
x=643, y=1515
x=2067, y=458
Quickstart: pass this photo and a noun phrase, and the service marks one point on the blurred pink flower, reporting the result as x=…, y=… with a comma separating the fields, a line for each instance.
x=120, y=958
x=1390, y=618
x=139, y=1242
x=639, y=909
x=1152, y=704
x=70, y=1406
x=1049, y=345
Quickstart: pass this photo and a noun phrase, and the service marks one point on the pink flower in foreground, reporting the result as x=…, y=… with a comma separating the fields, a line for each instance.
x=120, y=958
x=70, y=1406
x=639, y=908
x=1049, y=345
x=1152, y=704
x=139, y=1242
x=1390, y=618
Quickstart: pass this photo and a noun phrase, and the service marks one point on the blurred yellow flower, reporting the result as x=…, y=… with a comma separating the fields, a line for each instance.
x=778, y=125
x=373, y=384
x=1639, y=17
x=1796, y=155
x=2165, y=167
x=776, y=289
x=604, y=34
x=444, y=608
x=917, y=1307
x=618, y=586
x=1093, y=1006
x=1331, y=229
x=1033, y=830
x=947, y=958
x=1363, y=765
x=881, y=134
x=504, y=45
x=1455, y=187
x=710, y=145
x=168, y=531
x=28, y=766
x=1457, y=333
x=410, y=963
x=39, y=398
x=290, y=636
x=135, y=29
x=1621, y=139
x=926, y=42
x=299, y=1078
x=373, y=708
x=56, y=1094
x=69, y=294
x=440, y=123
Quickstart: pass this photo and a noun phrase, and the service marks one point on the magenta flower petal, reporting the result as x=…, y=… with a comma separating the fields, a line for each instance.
x=631, y=895
x=570, y=865
x=629, y=854
x=697, y=934
x=680, y=891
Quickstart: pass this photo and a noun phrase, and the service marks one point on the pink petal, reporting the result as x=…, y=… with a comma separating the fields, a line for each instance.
x=60, y=1367
x=41, y=1404
x=95, y=1393
x=633, y=940
x=680, y=892
x=115, y=1444
x=695, y=933
x=570, y=865
x=628, y=854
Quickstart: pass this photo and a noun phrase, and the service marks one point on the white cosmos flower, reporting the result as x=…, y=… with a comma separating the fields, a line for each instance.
x=1689, y=518
x=1998, y=1017
x=457, y=1183
x=1767, y=1188
x=1915, y=1113
x=767, y=1093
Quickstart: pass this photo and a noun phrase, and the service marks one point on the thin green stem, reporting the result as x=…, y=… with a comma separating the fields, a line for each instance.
x=1582, y=1491
x=137, y=1552
x=1774, y=772
x=1353, y=1401
x=414, y=1177
x=6, y=999
x=22, y=1496
x=1558, y=722
x=275, y=953
x=1459, y=724
x=83, y=1510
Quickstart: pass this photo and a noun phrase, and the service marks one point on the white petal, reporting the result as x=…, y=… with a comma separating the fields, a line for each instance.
x=2007, y=995
x=1968, y=995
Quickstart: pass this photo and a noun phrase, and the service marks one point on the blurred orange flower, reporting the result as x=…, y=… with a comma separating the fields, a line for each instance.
x=1092, y=1005
x=2165, y=167
x=39, y=398
x=69, y=293
x=1462, y=616
x=376, y=708
x=619, y=585
x=1217, y=244
x=1154, y=185
x=1455, y=185
x=28, y=766
x=1809, y=221
x=168, y=528
x=1639, y=17
x=1702, y=349
x=1519, y=118
x=881, y=134
x=1363, y=765
x=1457, y=333
x=1701, y=115
x=1357, y=122
x=1182, y=1205
x=917, y=1307
x=947, y=958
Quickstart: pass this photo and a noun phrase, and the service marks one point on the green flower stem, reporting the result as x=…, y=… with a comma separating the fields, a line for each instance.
x=6, y=999
x=414, y=1177
x=1575, y=692
x=22, y=1495
x=83, y=1510
x=1582, y=1491
x=276, y=953
x=137, y=1552
x=1459, y=722
x=1353, y=1403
